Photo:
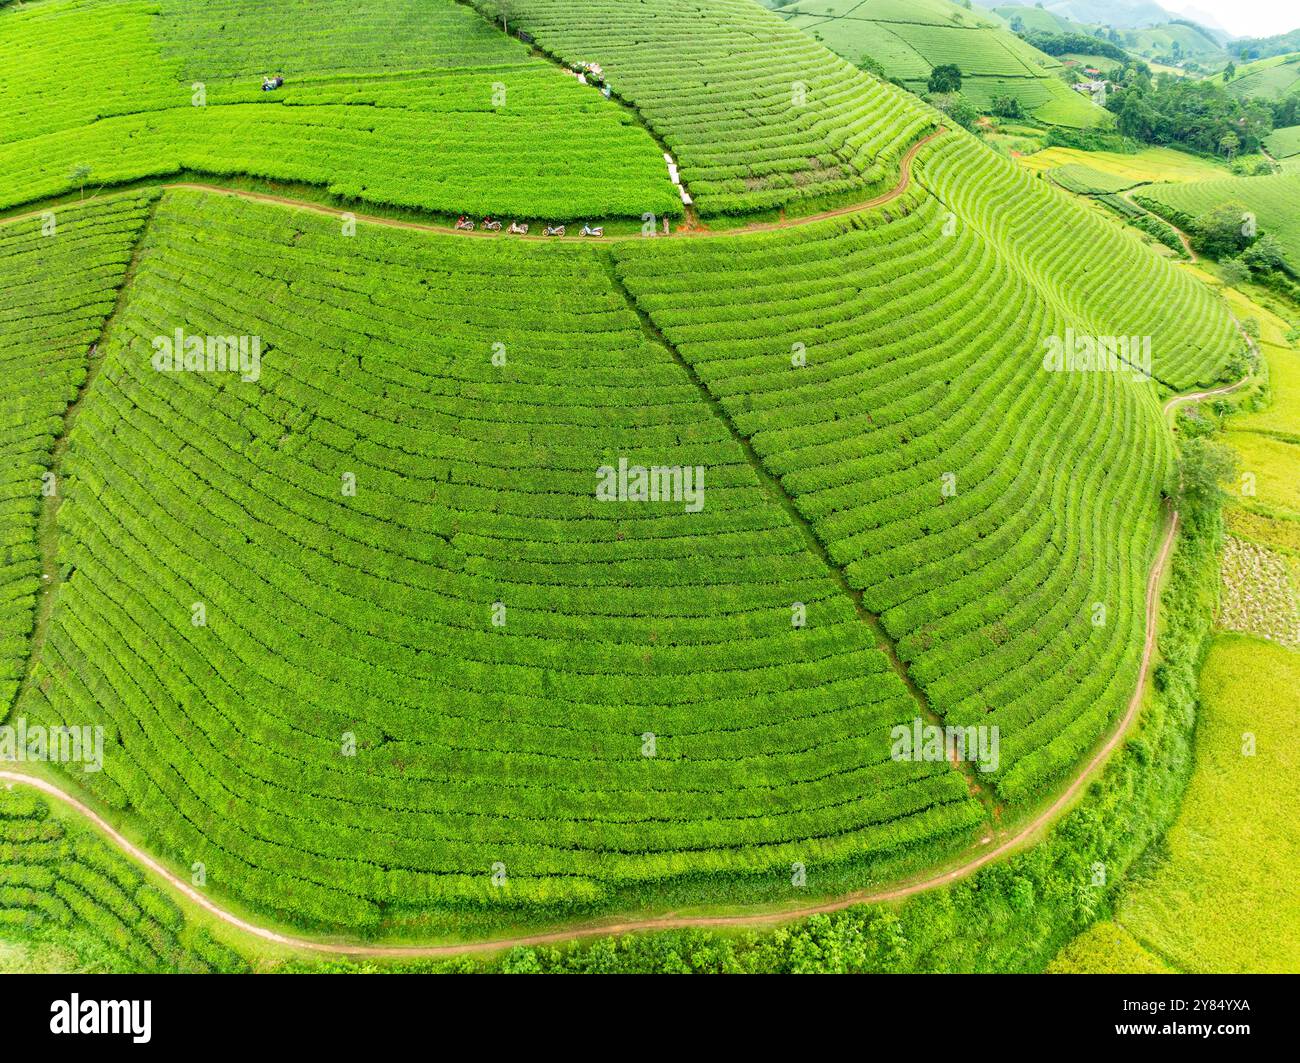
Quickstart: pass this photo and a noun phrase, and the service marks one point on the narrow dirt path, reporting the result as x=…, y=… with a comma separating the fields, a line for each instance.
x=1192, y=256
x=1005, y=845
x=1019, y=837
x=692, y=232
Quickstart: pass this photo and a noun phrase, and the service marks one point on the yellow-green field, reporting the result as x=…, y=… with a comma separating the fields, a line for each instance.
x=1106, y=948
x=1283, y=415
x=1274, y=465
x=1276, y=532
x=1224, y=896
x=1149, y=164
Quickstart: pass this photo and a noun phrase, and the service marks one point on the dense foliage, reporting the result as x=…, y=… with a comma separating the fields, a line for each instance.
x=1082, y=43
x=1201, y=116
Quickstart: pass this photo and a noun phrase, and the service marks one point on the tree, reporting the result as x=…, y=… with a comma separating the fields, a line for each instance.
x=1203, y=468
x=1230, y=144
x=1229, y=71
x=955, y=107
x=78, y=177
x=1007, y=107
x=502, y=9
x=1265, y=255
x=945, y=79
x=1284, y=112
x=1222, y=232
x=872, y=66
x=1235, y=272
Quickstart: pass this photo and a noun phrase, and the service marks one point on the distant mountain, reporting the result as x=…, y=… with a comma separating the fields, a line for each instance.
x=1169, y=40
x=1122, y=14
x=1207, y=21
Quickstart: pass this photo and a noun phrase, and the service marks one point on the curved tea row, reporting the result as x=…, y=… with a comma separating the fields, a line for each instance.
x=369, y=644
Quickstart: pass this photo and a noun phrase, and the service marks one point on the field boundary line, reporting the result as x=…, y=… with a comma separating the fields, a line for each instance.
x=901, y=186
x=885, y=643
x=1013, y=842
x=47, y=518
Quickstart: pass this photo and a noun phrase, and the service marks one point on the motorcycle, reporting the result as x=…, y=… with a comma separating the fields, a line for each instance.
x=518, y=229
x=465, y=225
x=555, y=230
x=491, y=226
x=593, y=230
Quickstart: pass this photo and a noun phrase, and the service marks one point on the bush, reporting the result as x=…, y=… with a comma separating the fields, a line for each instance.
x=945, y=79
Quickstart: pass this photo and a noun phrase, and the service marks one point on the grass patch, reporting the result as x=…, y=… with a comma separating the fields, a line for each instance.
x=1222, y=896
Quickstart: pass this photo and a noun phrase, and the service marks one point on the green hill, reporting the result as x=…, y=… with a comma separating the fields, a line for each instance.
x=462, y=118
x=388, y=630
x=1268, y=79
x=908, y=40
x=1157, y=39
x=1270, y=199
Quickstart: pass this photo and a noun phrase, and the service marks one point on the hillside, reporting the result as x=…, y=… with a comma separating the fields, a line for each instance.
x=67, y=899
x=1146, y=31
x=434, y=132
x=1268, y=79
x=1270, y=199
x=371, y=636
x=908, y=40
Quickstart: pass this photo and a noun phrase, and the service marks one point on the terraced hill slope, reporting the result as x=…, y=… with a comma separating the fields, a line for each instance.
x=415, y=103
x=59, y=277
x=498, y=640
x=1098, y=271
x=909, y=38
x=1270, y=199
x=757, y=114
x=372, y=640
x=1284, y=143
x=64, y=891
x=1268, y=79
x=895, y=400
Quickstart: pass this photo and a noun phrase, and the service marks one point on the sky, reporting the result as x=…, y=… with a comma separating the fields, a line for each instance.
x=1244, y=18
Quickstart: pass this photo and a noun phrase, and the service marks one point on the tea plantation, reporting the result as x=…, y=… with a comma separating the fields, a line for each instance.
x=428, y=586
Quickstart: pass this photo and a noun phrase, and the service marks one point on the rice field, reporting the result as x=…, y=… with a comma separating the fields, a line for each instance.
x=1221, y=900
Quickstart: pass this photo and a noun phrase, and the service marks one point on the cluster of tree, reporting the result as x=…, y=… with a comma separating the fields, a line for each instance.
x=1007, y=107
x=945, y=78
x=945, y=94
x=1076, y=43
x=956, y=107
x=1228, y=233
x=1286, y=112
x=1198, y=115
x=1265, y=47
